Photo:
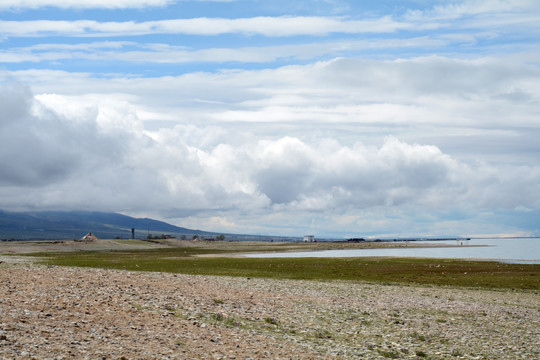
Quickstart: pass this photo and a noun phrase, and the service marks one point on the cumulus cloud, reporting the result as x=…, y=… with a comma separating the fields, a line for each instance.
x=41, y=147
x=275, y=118
x=238, y=150
x=78, y=156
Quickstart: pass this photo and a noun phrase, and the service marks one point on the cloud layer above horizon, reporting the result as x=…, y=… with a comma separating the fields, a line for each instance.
x=327, y=117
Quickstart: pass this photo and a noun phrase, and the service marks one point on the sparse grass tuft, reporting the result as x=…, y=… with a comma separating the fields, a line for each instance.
x=323, y=334
x=230, y=322
x=457, y=353
x=138, y=307
x=390, y=354
x=418, y=336
x=270, y=320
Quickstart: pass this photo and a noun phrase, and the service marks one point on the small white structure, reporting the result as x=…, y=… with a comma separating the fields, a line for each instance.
x=89, y=237
x=309, y=238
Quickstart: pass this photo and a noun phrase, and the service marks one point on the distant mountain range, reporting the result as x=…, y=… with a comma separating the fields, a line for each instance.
x=59, y=225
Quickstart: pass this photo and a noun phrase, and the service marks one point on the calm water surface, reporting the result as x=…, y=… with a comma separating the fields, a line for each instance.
x=516, y=250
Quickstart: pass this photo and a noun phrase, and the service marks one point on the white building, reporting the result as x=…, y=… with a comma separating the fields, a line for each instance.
x=309, y=238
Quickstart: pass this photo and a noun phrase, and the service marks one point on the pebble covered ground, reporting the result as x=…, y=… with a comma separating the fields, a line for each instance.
x=76, y=313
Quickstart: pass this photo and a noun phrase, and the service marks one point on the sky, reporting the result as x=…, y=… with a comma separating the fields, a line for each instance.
x=336, y=118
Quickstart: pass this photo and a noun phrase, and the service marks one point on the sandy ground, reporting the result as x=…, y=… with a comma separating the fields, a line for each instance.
x=73, y=313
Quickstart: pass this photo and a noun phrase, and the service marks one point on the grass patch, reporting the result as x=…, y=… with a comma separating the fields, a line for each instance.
x=420, y=353
x=457, y=353
x=417, y=336
x=231, y=322
x=270, y=320
x=323, y=334
x=481, y=274
x=390, y=354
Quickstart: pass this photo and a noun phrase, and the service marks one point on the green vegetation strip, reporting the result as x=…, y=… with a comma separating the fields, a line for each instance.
x=482, y=274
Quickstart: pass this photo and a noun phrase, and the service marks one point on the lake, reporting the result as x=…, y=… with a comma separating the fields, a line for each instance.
x=513, y=250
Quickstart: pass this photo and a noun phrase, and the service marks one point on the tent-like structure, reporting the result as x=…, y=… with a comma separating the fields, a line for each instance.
x=89, y=237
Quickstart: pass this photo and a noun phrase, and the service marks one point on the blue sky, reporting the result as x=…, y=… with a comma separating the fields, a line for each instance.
x=337, y=118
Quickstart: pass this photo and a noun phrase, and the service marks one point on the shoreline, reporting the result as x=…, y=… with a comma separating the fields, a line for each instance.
x=32, y=246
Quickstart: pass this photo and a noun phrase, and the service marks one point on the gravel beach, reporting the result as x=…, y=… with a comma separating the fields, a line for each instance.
x=76, y=313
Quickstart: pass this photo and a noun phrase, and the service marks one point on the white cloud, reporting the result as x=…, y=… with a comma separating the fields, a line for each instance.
x=90, y=4
x=458, y=15
x=460, y=9
x=39, y=147
x=163, y=53
x=79, y=158
x=278, y=26
x=422, y=122
x=466, y=97
x=267, y=26
x=234, y=146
